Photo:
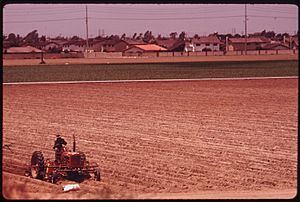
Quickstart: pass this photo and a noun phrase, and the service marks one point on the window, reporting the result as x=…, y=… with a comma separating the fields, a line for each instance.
x=207, y=44
x=197, y=44
x=215, y=44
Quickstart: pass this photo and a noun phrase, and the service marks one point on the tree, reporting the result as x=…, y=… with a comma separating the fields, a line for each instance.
x=74, y=38
x=182, y=36
x=173, y=35
x=123, y=36
x=237, y=36
x=196, y=36
x=12, y=39
x=140, y=36
x=31, y=37
x=134, y=36
x=270, y=34
x=148, y=36
x=43, y=38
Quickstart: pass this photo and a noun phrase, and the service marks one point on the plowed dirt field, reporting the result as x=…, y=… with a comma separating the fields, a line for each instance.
x=158, y=139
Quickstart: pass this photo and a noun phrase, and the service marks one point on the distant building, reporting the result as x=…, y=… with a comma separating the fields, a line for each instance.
x=104, y=45
x=27, y=49
x=138, y=50
x=253, y=43
x=274, y=46
x=206, y=43
x=74, y=46
x=170, y=44
x=124, y=44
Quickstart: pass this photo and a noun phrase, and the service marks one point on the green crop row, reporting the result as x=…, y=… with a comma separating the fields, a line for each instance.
x=186, y=70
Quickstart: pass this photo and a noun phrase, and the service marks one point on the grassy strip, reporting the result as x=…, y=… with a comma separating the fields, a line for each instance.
x=186, y=70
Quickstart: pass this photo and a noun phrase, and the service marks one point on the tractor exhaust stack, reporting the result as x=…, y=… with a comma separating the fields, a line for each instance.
x=74, y=143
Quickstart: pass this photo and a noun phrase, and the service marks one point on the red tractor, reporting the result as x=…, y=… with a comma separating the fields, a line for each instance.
x=70, y=164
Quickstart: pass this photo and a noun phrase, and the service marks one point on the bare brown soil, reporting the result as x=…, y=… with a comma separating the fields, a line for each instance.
x=192, y=139
x=10, y=62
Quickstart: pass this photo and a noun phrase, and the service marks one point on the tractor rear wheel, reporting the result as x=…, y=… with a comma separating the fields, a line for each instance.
x=37, y=165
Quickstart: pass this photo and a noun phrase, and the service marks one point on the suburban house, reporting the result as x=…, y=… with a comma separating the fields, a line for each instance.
x=291, y=42
x=205, y=43
x=253, y=43
x=274, y=46
x=24, y=52
x=124, y=44
x=27, y=49
x=138, y=50
x=74, y=46
x=49, y=46
x=171, y=44
x=104, y=45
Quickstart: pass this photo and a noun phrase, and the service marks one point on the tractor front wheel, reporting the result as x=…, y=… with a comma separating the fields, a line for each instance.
x=97, y=176
x=55, y=178
x=37, y=168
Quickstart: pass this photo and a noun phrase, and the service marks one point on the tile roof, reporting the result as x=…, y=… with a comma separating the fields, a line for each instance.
x=167, y=43
x=273, y=45
x=150, y=47
x=250, y=40
x=207, y=39
x=27, y=49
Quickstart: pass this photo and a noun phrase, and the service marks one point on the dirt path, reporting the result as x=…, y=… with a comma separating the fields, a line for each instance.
x=149, y=60
x=186, y=138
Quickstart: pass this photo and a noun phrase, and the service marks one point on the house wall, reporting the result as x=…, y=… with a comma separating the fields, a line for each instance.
x=121, y=46
x=73, y=47
x=97, y=47
x=103, y=55
x=133, y=52
x=38, y=55
x=241, y=46
x=51, y=45
x=211, y=46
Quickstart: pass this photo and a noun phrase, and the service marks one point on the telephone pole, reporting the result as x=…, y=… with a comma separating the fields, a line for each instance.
x=87, y=30
x=245, y=29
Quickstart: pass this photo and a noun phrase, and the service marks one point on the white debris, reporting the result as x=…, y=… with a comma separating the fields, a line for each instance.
x=71, y=187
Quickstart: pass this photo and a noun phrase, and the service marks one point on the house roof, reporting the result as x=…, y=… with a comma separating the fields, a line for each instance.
x=27, y=49
x=81, y=42
x=105, y=42
x=149, y=47
x=167, y=43
x=250, y=40
x=207, y=39
x=271, y=46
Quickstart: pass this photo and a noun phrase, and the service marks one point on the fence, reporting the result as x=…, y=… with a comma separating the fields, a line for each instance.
x=39, y=55
x=145, y=54
x=215, y=53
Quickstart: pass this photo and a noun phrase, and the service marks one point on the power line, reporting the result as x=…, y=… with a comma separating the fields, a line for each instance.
x=159, y=19
x=41, y=14
x=264, y=16
x=156, y=19
x=269, y=10
x=53, y=20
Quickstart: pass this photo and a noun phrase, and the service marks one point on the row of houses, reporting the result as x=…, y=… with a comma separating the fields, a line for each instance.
x=130, y=46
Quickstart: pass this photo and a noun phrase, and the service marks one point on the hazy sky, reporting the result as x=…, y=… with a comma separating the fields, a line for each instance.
x=202, y=19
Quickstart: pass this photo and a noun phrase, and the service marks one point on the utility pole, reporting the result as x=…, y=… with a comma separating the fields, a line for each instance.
x=87, y=30
x=245, y=29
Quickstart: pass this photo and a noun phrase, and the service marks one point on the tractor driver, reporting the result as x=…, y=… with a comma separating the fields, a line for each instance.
x=58, y=144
